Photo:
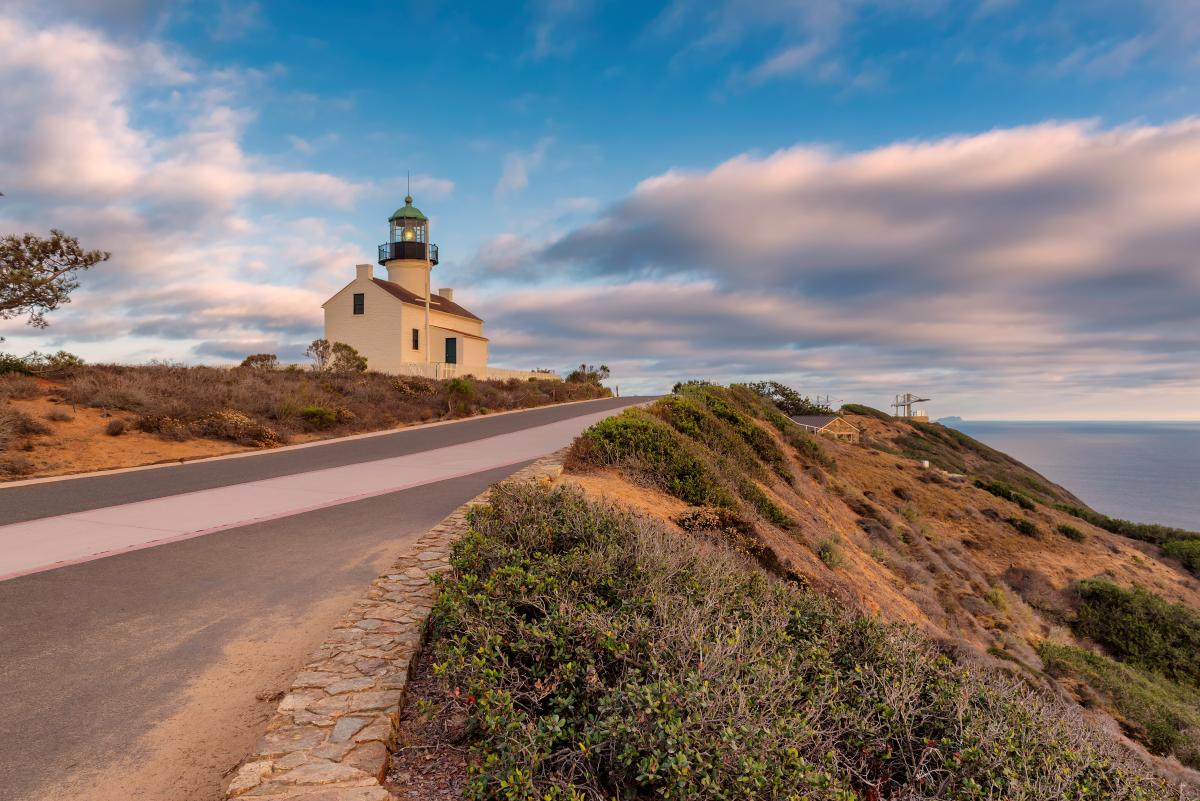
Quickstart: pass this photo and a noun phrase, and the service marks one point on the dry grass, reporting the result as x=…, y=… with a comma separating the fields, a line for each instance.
x=265, y=407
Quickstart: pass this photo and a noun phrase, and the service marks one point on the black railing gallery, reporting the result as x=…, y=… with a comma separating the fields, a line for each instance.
x=407, y=250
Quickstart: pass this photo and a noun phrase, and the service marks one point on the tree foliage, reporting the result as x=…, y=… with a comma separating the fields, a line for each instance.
x=37, y=363
x=789, y=401
x=588, y=373
x=335, y=357
x=38, y=275
x=260, y=361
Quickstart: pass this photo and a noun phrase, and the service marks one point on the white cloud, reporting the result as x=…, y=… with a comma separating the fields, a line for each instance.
x=431, y=187
x=1018, y=266
x=203, y=233
x=518, y=165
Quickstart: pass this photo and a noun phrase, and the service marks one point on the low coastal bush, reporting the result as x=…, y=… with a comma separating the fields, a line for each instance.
x=1070, y=532
x=701, y=445
x=595, y=655
x=1148, y=532
x=1023, y=526
x=866, y=411
x=694, y=420
x=762, y=503
x=319, y=417
x=649, y=448
x=1138, y=627
x=1186, y=551
x=1163, y=715
x=1002, y=490
x=718, y=401
x=831, y=554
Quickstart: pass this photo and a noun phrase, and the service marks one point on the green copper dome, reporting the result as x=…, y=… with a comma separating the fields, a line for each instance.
x=407, y=212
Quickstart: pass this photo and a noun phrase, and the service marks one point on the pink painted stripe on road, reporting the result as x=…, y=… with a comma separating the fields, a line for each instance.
x=52, y=542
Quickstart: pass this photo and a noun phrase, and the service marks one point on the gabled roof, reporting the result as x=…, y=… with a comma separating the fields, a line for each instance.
x=817, y=421
x=460, y=333
x=436, y=302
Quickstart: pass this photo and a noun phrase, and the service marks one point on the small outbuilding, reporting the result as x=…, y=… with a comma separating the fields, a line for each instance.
x=831, y=425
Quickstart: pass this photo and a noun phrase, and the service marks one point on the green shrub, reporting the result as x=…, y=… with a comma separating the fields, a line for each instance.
x=718, y=401
x=459, y=394
x=36, y=363
x=1002, y=490
x=830, y=554
x=1186, y=551
x=11, y=363
x=762, y=503
x=653, y=450
x=690, y=417
x=809, y=449
x=1070, y=532
x=596, y=656
x=319, y=417
x=1148, y=532
x=866, y=411
x=1138, y=627
x=1026, y=527
x=1163, y=715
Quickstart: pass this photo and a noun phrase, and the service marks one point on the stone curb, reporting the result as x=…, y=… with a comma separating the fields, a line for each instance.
x=331, y=736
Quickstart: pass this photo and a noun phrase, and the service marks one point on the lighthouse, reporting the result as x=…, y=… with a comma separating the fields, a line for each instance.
x=399, y=323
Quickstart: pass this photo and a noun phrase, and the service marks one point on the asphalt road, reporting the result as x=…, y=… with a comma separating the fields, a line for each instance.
x=33, y=501
x=94, y=655
x=149, y=674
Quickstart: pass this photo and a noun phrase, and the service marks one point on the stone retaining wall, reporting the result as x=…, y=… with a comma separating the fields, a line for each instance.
x=330, y=737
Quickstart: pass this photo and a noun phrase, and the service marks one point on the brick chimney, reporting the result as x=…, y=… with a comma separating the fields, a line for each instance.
x=364, y=272
x=447, y=293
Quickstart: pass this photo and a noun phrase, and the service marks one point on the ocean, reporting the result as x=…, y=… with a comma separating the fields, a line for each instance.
x=1147, y=472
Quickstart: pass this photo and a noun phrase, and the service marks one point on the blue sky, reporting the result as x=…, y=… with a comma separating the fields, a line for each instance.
x=991, y=202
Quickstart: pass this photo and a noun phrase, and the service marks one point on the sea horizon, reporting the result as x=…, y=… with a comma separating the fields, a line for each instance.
x=1140, y=470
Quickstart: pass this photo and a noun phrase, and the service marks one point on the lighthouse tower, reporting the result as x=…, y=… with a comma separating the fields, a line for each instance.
x=408, y=254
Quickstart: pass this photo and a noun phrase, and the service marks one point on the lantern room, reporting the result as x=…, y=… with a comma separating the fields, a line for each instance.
x=409, y=236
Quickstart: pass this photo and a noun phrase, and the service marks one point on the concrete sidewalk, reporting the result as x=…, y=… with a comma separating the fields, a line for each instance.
x=53, y=542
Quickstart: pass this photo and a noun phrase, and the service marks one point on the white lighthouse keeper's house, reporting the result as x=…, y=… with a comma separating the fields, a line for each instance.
x=400, y=324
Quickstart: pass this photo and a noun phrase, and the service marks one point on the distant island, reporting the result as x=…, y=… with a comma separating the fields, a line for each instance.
x=951, y=419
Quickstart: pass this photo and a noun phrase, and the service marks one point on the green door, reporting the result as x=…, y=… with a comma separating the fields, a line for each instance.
x=451, y=350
